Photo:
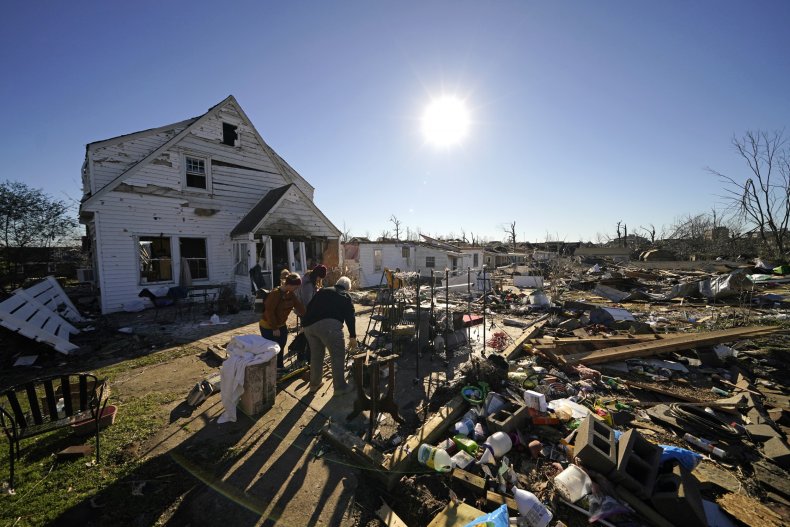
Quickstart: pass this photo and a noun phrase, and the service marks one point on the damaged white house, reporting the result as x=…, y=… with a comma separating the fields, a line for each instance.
x=199, y=202
x=429, y=254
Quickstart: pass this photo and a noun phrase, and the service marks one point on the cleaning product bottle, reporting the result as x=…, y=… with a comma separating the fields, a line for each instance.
x=435, y=458
x=531, y=509
x=464, y=443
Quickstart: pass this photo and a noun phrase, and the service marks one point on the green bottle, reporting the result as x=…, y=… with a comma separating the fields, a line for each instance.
x=464, y=443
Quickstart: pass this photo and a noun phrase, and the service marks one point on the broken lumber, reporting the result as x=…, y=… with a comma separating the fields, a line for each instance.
x=358, y=449
x=749, y=510
x=647, y=349
x=388, y=516
x=516, y=347
x=499, y=499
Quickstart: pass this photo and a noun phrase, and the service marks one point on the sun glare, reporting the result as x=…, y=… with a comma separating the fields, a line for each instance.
x=445, y=121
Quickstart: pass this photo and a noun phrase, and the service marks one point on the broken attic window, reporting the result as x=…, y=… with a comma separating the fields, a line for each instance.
x=193, y=251
x=430, y=261
x=156, y=262
x=196, y=172
x=230, y=136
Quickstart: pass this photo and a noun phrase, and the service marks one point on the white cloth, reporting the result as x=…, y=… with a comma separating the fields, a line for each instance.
x=243, y=351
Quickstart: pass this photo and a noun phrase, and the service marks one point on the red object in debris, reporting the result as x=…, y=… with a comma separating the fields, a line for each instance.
x=542, y=419
x=472, y=320
x=88, y=426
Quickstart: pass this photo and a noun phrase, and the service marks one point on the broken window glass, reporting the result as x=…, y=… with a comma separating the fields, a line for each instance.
x=229, y=134
x=156, y=263
x=193, y=250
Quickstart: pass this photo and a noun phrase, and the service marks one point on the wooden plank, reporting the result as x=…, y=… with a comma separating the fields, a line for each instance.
x=647, y=349
x=388, y=516
x=662, y=391
x=355, y=447
x=499, y=499
x=472, y=481
x=515, y=348
x=456, y=514
x=433, y=428
x=749, y=511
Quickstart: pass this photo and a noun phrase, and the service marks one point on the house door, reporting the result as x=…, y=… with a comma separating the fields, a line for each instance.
x=266, y=261
x=297, y=262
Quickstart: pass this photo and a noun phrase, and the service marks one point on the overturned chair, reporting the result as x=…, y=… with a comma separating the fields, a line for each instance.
x=176, y=296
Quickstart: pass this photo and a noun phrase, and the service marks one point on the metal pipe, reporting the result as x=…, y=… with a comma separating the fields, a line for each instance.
x=485, y=304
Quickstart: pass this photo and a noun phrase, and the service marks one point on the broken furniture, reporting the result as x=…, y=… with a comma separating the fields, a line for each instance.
x=36, y=314
x=22, y=414
x=375, y=402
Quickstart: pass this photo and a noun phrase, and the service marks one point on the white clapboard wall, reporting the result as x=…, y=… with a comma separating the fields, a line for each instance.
x=49, y=293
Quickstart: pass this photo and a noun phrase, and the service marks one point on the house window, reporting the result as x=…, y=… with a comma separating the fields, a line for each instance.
x=455, y=262
x=241, y=256
x=377, y=259
x=404, y=252
x=193, y=253
x=230, y=135
x=430, y=261
x=474, y=260
x=156, y=262
x=196, y=174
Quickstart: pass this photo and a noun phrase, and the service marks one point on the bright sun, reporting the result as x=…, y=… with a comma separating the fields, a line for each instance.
x=445, y=121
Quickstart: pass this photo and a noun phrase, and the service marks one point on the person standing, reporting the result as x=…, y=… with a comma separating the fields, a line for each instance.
x=311, y=283
x=323, y=327
x=278, y=305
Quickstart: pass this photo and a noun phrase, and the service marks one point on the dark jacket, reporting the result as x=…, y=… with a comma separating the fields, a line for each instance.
x=330, y=302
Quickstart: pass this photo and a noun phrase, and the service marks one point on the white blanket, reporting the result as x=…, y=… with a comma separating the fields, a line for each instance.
x=243, y=351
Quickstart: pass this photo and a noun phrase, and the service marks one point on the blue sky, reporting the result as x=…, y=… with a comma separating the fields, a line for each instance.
x=583, y=113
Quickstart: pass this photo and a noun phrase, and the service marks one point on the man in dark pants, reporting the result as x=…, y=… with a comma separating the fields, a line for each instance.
x=323, y=327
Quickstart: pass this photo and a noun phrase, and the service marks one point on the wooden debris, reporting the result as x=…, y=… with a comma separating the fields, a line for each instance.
x=515, y=348
x=388, y=516
x=647, y=349
x=708, y=474
x=472, y=481
x=456, y=515
x=499, y=499
x=749, y=510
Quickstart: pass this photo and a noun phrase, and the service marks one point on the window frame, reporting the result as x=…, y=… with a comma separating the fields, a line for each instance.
x=430, y=262
x=378, y=260
x=143, y=280
x=185, y=174
x=405, y=252
x=241, y=259
x=184, y=258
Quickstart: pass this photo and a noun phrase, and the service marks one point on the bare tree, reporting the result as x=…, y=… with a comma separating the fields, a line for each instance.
x=345, y=234
x=396, y=222
x=651, y=233
x=510, y=230
x=762, y=199
x=618, y=231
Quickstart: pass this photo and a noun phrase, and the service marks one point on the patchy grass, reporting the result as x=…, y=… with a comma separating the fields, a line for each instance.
x=111, y=373
x=47, y=487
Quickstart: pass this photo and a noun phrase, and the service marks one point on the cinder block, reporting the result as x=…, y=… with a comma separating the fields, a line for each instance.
x=595, y=446
x=260, y=387
x=637, y=463
x=676, y=496
x=508, y=418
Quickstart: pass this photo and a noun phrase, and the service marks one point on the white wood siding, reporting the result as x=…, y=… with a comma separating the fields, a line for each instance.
x=295, y=217
x=110, y=161
x=392, y=258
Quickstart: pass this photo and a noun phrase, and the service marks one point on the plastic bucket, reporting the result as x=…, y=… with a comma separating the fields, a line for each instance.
x=573, y=483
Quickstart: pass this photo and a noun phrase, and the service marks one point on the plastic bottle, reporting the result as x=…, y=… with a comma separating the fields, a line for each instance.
x=465, y=444
x=465, y=426
x=704, y=445
x=530, y=507
x=435, y=458
x=59, y=407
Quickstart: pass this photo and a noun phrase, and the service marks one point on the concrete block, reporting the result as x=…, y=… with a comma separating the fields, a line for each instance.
x=637, y=463
x=776, y=450
x=676, y=496
x=508, y=418
x=595, y=446
x=260, y=387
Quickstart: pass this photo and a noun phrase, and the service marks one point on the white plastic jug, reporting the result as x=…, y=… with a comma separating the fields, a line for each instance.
x=531, y=509
x=573, y=483
x=435, y=458
x=500, y=443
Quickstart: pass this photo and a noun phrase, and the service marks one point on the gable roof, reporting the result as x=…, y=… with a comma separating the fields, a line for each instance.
x=288, y=173
x=260, y=210
x=270, y=202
